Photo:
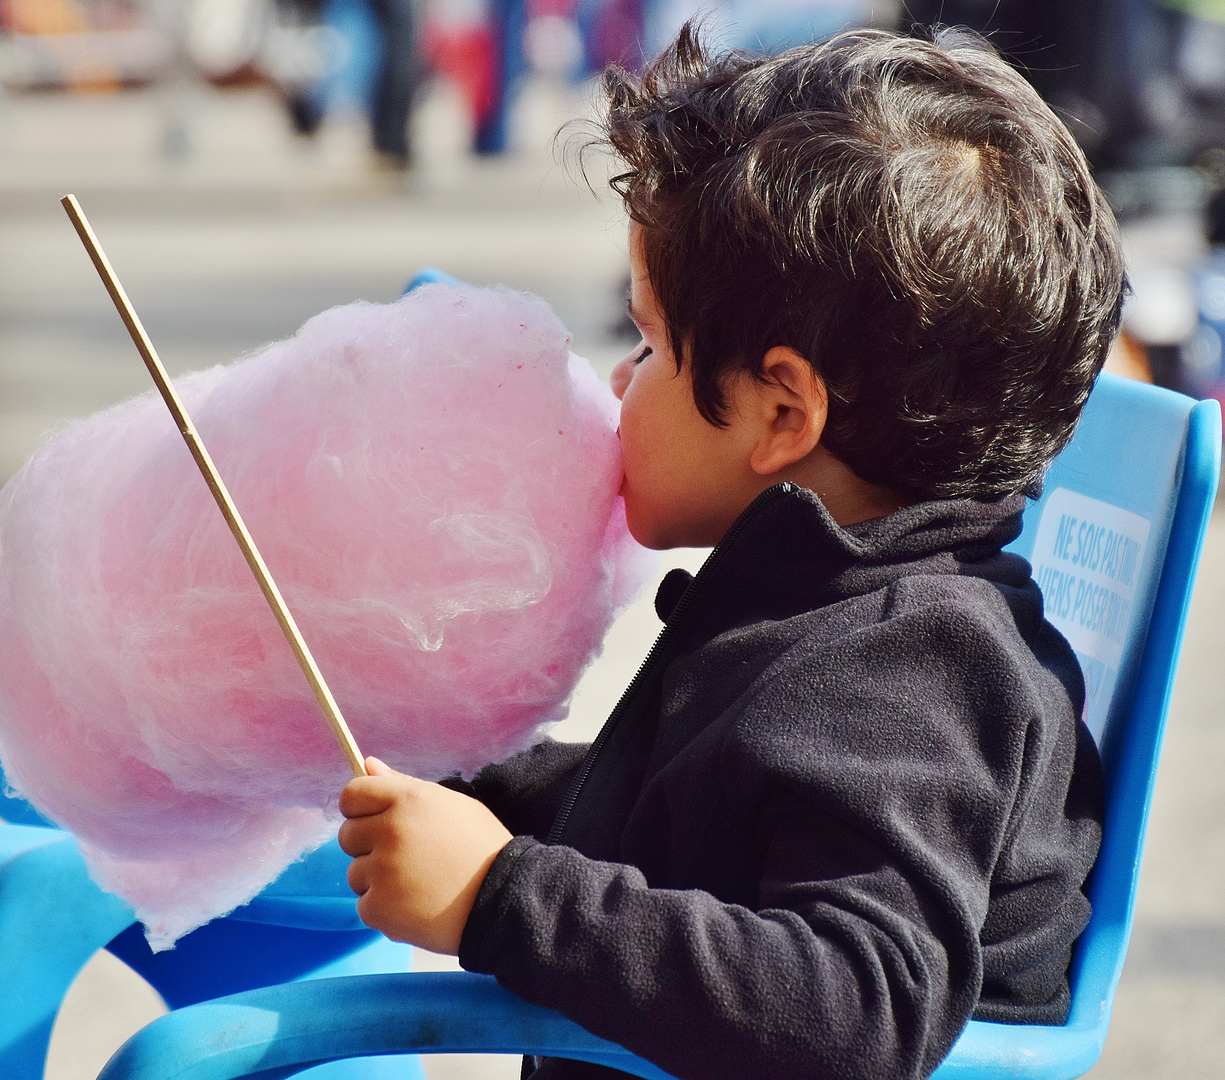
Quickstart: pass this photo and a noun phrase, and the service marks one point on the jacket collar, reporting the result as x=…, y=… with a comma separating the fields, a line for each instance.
x=785, y=554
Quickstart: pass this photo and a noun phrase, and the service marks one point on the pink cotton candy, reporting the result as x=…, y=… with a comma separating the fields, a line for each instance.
x=433, y=484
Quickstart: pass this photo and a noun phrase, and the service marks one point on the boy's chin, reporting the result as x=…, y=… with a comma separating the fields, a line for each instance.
x=662, y=535
x=646, y=530
x=652, y=542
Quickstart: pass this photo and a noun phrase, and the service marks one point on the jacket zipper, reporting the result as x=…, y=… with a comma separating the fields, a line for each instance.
x=682, y=605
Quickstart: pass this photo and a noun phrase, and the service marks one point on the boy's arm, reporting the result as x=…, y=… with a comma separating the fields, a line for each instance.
x=845, y=978
x=526, y=791
x=840, y=986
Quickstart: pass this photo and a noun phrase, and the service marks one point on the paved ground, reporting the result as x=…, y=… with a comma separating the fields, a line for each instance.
x=240, y=242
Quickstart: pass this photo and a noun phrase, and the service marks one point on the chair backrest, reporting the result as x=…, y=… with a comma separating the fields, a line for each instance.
x=1115, y=542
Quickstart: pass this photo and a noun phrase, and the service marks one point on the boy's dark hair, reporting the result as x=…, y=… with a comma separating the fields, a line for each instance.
x=906, y=214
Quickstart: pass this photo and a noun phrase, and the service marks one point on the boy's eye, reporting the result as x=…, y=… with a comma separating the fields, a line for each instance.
x=643, y=355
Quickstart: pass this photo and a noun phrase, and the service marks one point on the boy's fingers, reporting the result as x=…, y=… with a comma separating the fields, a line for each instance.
x=375, y=767
x=355, y=839
x=356, y=876
x=367, y=795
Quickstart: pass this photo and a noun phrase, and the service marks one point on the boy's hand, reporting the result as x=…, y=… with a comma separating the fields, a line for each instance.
x=420, y=853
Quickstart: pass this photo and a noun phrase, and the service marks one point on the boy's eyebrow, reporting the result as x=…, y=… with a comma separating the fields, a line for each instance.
x=629, y=307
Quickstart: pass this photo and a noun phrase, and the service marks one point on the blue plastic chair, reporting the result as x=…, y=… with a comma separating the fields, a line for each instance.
x=53, y=918
x=1115, y=541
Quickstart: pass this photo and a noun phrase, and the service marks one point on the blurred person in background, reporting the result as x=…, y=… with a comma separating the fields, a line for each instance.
x=289, y=43
x=1140, y=82
x=395, y=83
x=1061, y=48
x=42, y=16
x=303, y=98
x=1202, y=354
x=84, y=45
x=1199, y=63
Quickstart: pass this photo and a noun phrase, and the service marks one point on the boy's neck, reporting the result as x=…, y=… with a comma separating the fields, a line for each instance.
x=848, y=498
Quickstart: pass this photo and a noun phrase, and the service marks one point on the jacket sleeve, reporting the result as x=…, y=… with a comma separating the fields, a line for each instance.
x=716, y=991
x=526, y=791
x=860, y=957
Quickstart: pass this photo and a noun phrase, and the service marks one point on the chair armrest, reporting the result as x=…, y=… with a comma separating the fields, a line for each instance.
x=16, y=839
x=277, y=1031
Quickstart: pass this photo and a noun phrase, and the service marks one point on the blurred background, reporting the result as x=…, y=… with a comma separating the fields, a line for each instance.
x=248, y=163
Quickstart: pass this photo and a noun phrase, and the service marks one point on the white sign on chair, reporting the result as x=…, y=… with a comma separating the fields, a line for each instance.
x=1087, y=558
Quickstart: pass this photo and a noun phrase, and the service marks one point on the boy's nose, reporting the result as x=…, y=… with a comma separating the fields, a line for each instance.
x=621, y=375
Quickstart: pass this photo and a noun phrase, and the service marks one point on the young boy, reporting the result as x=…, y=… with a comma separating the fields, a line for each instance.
x=847, y=804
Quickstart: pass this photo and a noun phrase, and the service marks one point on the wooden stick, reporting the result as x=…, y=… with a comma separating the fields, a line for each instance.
x=215, y=484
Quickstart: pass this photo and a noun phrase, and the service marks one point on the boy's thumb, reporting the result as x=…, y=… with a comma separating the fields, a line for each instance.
x=375, y=767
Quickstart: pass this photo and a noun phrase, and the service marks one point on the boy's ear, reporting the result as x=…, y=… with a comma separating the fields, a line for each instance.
x=790, y=409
